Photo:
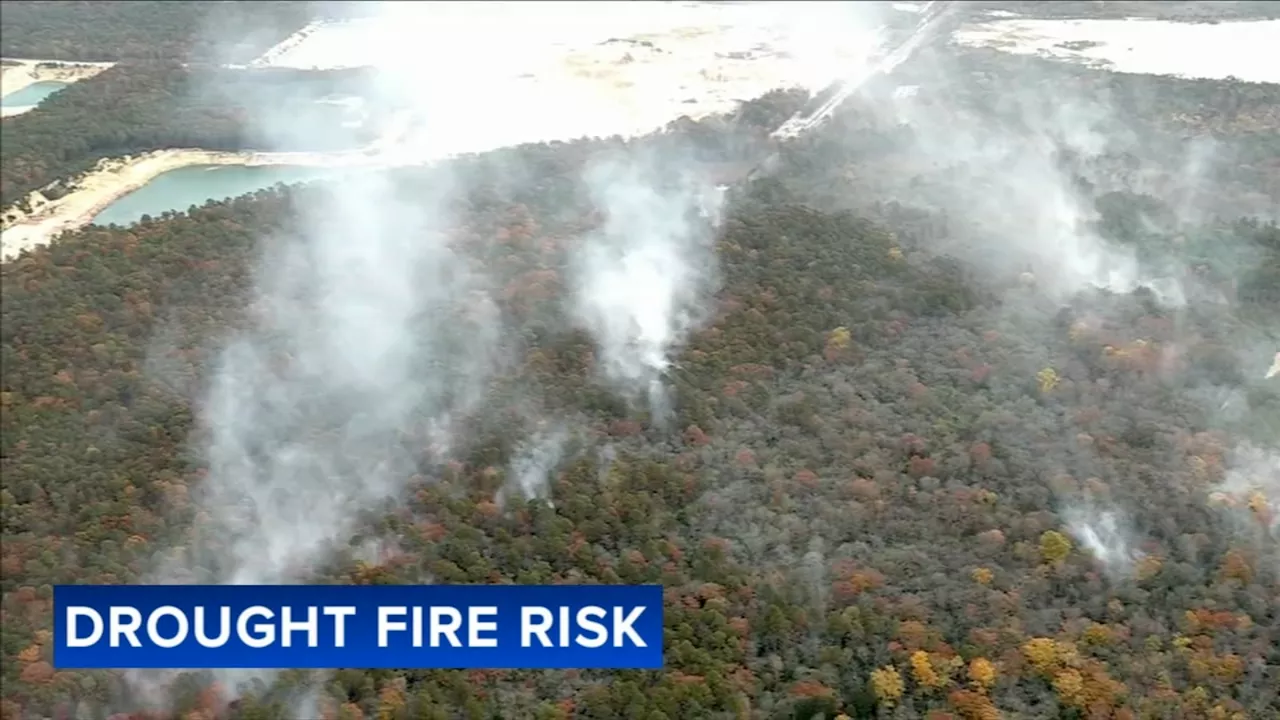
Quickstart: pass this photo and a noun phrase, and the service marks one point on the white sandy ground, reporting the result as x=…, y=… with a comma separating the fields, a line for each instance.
x=16, y=77
x=569, y=69
x=1245, y=49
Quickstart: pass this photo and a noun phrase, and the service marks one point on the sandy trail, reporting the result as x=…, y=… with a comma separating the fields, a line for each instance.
x=30, y=71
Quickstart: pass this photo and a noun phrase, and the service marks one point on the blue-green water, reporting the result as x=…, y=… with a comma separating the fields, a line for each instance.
x=33, y=94
x=179, y=189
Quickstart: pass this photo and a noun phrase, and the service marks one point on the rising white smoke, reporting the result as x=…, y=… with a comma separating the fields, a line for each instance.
x=534, y=463
x=306, y=412
x=1103, y=534
x=360, y=356
x=643, y=283
x=1250, y=493
x=368, y=338
x=1014, y=206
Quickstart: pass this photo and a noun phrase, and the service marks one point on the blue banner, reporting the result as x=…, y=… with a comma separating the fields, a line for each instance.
x=358, y=626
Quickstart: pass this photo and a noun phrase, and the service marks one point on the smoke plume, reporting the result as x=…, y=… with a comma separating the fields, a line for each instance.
x=644, y=281
x=368, y=338
x=1103, y=535
x=534, y=462
x=306, y=411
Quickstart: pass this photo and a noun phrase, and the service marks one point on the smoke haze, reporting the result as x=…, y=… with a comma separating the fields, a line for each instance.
x=373, y=337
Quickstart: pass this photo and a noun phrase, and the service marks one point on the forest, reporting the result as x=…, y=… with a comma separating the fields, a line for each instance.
x=137, y=107
x=149, y=30
x=871, y=500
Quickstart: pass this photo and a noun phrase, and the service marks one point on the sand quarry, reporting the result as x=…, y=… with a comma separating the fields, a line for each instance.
x=578, y=70
x=14, y=77
x=114, y=178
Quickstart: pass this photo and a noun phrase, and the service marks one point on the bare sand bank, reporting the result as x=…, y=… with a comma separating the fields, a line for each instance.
x=113, y=178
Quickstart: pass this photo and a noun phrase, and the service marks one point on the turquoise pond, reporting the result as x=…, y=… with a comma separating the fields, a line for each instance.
x=179, y=189
x=33, y=94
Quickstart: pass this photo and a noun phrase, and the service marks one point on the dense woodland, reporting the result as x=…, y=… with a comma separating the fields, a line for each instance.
x=865, y=508
x=105, y=30
x=137, y=107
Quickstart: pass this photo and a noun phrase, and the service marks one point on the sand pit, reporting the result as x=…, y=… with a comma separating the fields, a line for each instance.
x=113, y=178
x=116, y=177
x=28, y=72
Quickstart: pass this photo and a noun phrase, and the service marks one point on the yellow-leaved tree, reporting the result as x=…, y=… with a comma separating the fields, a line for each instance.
x=1054, y=546
x=1069, y=685
x=982, y=674
x=839, y=338
x=1041, y=653
x=839, y=341
x=923, y=671
x=1048, y=380
x=886, y=683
